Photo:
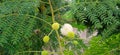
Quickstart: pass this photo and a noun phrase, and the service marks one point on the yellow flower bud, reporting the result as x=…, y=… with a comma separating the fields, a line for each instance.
x=46, y=39
x=75, y=42
x=44, y=52
x=55, y=26
x=70, y=34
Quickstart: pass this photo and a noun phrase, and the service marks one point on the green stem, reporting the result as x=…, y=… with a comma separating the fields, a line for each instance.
x=53, y=19
x=75, y=4
x=27, y=52
x=111, y=51
x=14, y=14
x=58, y=36
x=52, y=12
x=33, y=52
x=44, y=2
x=50, y=33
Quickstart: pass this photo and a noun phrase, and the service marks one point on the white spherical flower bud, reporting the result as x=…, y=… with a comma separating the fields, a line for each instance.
x=66, y=29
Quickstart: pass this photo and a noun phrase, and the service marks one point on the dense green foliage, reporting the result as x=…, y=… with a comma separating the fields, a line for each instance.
x=103, y=15
x=17, y=23
x=110, y=46
x=23, y=23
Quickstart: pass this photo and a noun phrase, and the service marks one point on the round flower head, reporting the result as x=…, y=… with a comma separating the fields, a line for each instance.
x=70, y=34
x=65, y=29
x=75, y=42
x=46, y=39
x=44, y=52
x=55, y=26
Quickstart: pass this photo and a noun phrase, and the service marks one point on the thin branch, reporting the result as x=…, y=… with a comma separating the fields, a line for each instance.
x=111, y=51
x=52, y=12
x=53, y=19
x=74, y=4
x=50, y=33
x=44, y=2
x=26, y=15
x=33, y=52
x=58, y=36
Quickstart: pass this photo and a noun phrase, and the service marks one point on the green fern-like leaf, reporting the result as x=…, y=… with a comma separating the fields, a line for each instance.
x=17, y=24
